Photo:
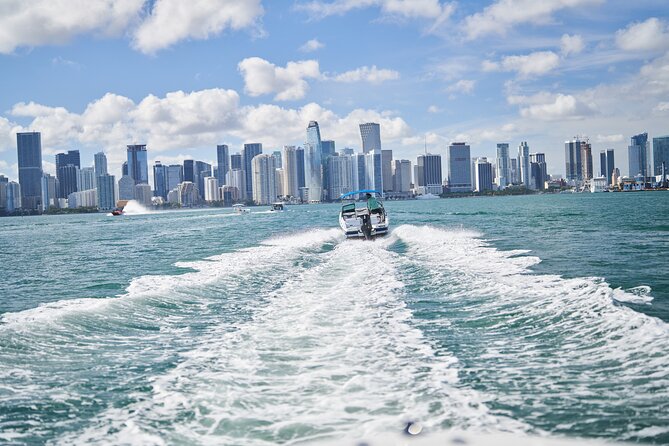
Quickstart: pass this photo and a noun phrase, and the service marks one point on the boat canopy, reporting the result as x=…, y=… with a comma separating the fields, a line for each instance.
x=356, y=192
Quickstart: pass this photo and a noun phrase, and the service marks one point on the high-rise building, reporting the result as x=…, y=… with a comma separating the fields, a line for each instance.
x=49, y=192
x=3, y=192
x=124, y=168
x=223, y=162
x=586, y=160
x=660, y=154
x=14, y=196
x=482, y=175
x=236, y=161
x=373, y=171
x=459, y=167
x=175, y=175
x=573, y=159
x=187, y=194
x=236, y=179
x=430, y=166
x=301, y=179
x=370, y=134
x=29, y=150
x=263, y=170
x=100, y=160
x=327, y=150
x=503, y=165
x=68, y=180
x=538, y=171
x=606, y=164
x=126, y=188
x=387, y=169
x=524, y=163
x=638, y=156
x=189, y=171
x=160, y=180
x=202, y=170
x=143, y=194
x=277, y=159
x=138, y=164
x=328, y=147
x=82, y=199
x=361, y=163
x=86, y=178
x=347, y=151
x=602, y=163
x=279, y=181
x=513, y=170
x=290, y=169
x=211, y=189
x=250, y=151
x=340, y=169
x=401, y=176
x=106, y=192
x=313, y=165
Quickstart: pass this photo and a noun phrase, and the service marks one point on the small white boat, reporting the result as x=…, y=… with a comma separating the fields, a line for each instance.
x=277, y=207
x=366, y=222
x=240, y=209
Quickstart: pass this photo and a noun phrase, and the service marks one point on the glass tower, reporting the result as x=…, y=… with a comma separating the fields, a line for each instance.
x=138, y=165
x=370, y=133
x=223, y=162
x=248, y=153
x=313, y=171
x=29, y=148
x=660, y=154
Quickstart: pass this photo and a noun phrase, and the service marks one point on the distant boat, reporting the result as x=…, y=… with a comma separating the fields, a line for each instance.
x=366, y=222
x=277, y=207
x=120, y=205
x=427, y=197
x=240, y=209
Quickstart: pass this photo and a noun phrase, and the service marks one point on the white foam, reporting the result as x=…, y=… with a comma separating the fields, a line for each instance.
x=134, y=207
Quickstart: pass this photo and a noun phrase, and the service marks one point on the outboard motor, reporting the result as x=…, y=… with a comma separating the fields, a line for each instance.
x=366, y=227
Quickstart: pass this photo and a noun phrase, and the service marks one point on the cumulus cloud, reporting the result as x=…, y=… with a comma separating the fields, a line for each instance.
x=371, y=74
x=651, y=35
x=610, y=138
x=171, y=21
x=559, y=108
x=571, y=44
x=433, y=109
x=465, y=86
x=42, y=22
x=288, y=83
x=311, y=45
x=504, y=14
x=529, y=65
x=412, y=9
x=661, y=107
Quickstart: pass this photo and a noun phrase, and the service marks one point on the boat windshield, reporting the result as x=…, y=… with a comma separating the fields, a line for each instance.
x=348, y=208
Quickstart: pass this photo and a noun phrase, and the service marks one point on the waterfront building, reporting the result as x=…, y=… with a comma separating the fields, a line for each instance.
x=189, y=171
x=143, y=194
x=340, y=171
x=202, y=170
x=29, y=151
x=638, y=155
x=503, y=165
x=277, y=159
x=370, y=133
x=222, y=162
x=49, y=192
x=14, y=196
x=138, y=164
x=387, y=169
x=187, y=194
x=660, y=154
x=586, y=160
x=362, y=171
x=290, y=172
x=573, y=160
x=607, y=164
x=250, y=151
x=236, y=161
x=313, y=168
x=615, y=177
x=402, y=176
x=160, y=186
x=524, y=163
x=175, y=175
x=86, y=178
x=67, y=172
x=459, y=167
x=538, y=171
x=237, y=178
x=328, y=149
x=3, y=192
x=106, y=192
x=430, y=167
x=126, y=188
x=211, y=189
x=82, y=199
x=418, y=177
x=279, y=181
x=513, y=170
x=100, y=161
x=373, y=172
x=299, y=155
x=482, y=175
x=124, y=168
x=263, y=170
x=229, y=195
x=348, y=151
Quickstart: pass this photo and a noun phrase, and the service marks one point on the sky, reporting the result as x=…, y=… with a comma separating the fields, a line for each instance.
x=182, y=77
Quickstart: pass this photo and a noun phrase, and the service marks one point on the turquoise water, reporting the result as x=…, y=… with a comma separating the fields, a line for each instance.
x=541, y=314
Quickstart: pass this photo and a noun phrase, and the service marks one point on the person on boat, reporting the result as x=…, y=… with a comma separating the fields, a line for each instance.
x=373, y=205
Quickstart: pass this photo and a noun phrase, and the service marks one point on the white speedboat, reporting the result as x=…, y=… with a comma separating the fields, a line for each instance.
x=368, y=221
x=277, y=207
x=240, y=209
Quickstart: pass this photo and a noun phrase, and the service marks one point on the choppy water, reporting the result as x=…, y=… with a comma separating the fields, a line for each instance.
x=544, y=315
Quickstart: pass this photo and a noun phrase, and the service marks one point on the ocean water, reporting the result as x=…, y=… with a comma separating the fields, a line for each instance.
x=541, y=315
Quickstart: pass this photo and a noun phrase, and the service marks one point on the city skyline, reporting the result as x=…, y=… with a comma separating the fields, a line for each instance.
x=541, y=76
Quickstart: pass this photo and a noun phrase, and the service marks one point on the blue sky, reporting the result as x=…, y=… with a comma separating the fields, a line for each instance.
x=184, y=76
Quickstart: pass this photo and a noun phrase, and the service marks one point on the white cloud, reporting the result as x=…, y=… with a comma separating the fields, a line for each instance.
x=47, y=22
x=661, y=107
x=651, y=35
x=559, y=108
x=529, y=65
x=571, y=44
x=262, y=77
x=411, y=9
x=464, y=86
x=610, y=138
x=171, y=21
x=434, y=109
x=504, y=14
x=311, y=45
x=371, y=74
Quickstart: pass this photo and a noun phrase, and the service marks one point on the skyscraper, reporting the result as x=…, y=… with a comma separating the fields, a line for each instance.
x=290, y=183
x=373, y=171
x=638, y=155
x=67, y=172
x=370, y=134
x=126, y=188
x=586, y=160
x=263, y=171
x=430, y=166
x=86, y=178
x=503, y=165
x=143, y=194
x=49, y=192
x=160, y=180
x=482, y=175
x=29, y=148
x=362, y=171
x=223, y=162
x=100, y=164
x=660, y=154
x=138, y=164
x=14, y=196
x=327, y=150
x=236, y=161
x=106, y=192
x=3, y=192
x=401, y=176
x=211, y=192
x=299, y=155
x=202, y=170
x=610, y=165
x=459, y=167
x=175, y=175
x=340, y=175
x=538, y=171
x=387, y=169
x=573, y=160
x=313, y=175
x=524, y=163
x=248, y=153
